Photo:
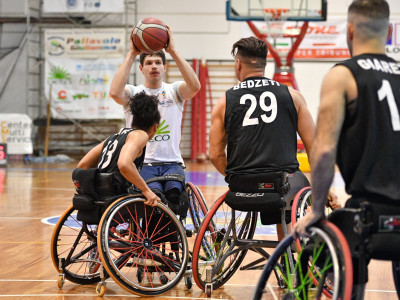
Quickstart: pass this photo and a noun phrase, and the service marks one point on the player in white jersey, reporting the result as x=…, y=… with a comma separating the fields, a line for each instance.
x=163, y=155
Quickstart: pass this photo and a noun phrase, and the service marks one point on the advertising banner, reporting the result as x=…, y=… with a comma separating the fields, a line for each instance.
x=324, y=40
x=85, y=43
x=79, y=67
x=80, y=88
x=16, y=133
x=71, y=6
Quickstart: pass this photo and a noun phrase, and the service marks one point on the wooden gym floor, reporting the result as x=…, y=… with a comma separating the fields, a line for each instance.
x=31, y=194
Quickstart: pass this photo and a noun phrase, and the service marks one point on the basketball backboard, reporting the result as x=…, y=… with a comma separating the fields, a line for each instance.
x=289, y=10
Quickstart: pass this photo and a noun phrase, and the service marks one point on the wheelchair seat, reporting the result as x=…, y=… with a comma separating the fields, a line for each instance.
x=94, y=192
x=258, y=192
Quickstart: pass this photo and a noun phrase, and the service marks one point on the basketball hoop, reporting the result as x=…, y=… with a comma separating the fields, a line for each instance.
x=275, y=19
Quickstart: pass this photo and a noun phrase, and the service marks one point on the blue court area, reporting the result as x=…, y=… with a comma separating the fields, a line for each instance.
x=205, y=178
x=73, y=223
x=199, y=178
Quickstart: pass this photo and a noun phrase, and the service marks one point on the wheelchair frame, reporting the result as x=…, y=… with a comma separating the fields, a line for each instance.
x=65, y=254
x=218, y=253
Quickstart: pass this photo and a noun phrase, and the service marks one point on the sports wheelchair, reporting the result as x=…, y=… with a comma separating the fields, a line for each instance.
x=228, y=230
x=326, y=255
x=144, y=249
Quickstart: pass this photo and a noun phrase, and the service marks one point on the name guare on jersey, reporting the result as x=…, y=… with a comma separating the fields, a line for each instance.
x=379, y=65
x=255, y=83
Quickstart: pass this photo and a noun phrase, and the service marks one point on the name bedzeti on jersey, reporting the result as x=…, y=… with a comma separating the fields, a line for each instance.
x=255, y=83
x=379, y=65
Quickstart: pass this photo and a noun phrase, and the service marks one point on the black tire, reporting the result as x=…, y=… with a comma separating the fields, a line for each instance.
x=139, y=238
x=212, y=242
x=325, y=254
x=75, y=243
x=396, y=276
x=197, y=206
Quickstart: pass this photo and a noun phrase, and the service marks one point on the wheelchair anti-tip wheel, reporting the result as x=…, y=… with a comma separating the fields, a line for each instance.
x=322, y=270
x=143, y=248
x=215, y=239
x=74, y=250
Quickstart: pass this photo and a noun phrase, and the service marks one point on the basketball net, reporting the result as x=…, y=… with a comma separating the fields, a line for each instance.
x=275, y=19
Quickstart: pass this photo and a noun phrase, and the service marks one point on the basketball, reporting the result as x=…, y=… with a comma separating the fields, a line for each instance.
x=150, y=35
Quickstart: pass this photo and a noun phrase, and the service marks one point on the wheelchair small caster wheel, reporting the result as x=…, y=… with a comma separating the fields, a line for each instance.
x=208, y=290
x=60, y=281
x=188, y=282
x=100, y=289
x=163, y=279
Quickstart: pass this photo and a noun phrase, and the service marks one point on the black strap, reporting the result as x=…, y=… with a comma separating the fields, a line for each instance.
x=168, y=177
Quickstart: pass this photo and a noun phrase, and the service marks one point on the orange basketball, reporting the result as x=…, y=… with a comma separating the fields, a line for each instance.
x=150, y=35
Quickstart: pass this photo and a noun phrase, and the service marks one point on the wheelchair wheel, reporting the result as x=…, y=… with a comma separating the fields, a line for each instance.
x=215, y=244
x=197, y=206
x=74, y=249
x=323, y=267
x=301, y=204
x=143, y=248
x=396, y=276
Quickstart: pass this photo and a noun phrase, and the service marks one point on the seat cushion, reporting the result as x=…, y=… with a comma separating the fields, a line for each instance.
x=254, y=201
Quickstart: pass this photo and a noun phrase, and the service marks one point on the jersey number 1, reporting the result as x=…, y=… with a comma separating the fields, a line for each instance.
x=386, y=92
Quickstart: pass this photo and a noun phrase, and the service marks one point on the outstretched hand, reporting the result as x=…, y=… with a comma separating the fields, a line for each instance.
x=171, y=43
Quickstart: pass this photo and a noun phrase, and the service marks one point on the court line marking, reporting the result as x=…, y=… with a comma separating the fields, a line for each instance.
x=22, y=218
x=95, y=295
x=109, y=281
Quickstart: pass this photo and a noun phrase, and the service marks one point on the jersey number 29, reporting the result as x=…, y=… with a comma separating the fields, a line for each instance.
x=273, y=108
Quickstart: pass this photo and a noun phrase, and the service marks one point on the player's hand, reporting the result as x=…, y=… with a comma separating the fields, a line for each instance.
x=135, y=51
x=171, y=43
x=306, y=222
x=332, y=201
x=152, y=199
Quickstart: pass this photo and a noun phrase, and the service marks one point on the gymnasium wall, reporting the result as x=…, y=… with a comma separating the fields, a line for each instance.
x=202, y=31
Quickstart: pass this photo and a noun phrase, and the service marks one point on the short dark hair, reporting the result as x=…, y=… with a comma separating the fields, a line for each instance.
x=144, y=109
x=160, y=54
x=376, y=11
x=250, y=49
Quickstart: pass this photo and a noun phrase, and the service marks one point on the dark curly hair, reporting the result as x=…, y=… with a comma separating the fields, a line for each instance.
x=144, y=109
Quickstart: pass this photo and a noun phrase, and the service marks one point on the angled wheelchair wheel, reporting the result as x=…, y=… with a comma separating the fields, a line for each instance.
x=322, y=270
x=396, y=276
x=197, y=206
x=214, y=257
x=74, y=249
x=143, y=248
x=301, y=204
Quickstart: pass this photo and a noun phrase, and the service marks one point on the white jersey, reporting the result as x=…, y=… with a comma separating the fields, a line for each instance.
x=164, y=146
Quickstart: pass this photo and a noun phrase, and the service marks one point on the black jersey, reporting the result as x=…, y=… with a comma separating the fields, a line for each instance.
x=108, y=161
x=369, y=146
x=261, y=127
